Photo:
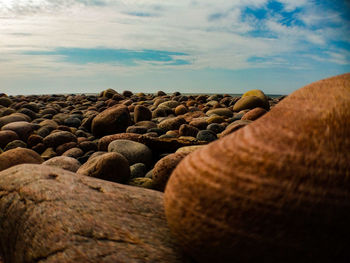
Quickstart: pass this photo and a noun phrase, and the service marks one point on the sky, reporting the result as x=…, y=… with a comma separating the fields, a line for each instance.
x=190, y=46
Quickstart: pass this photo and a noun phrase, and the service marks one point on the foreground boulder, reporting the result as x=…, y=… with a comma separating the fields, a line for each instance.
x=277, y=190
x=52, y=215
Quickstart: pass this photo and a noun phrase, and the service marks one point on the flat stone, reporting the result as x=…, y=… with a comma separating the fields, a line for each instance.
x=53, y=215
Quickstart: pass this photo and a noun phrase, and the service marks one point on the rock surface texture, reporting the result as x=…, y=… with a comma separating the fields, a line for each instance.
x=52, y=215
x=277, y=189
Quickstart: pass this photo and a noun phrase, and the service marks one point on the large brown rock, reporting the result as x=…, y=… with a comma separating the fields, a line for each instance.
x=51, y=215
x=277, y=190
x=18, y=156
x=112, y=120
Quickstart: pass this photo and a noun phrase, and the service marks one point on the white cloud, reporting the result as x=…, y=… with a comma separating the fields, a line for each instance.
x=181, y=26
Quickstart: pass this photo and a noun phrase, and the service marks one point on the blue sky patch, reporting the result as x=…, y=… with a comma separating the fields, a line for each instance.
x=119, y=56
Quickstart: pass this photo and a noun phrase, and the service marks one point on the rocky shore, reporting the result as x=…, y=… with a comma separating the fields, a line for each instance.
x=119, y=137
x=82, y=176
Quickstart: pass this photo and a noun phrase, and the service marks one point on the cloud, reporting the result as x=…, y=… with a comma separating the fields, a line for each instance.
x=207, y=34
x=113, y=56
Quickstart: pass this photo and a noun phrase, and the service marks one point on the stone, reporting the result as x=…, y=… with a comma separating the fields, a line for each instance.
x=254, y=114
x=22, y=128
x=65, y=147
x=72, y=122
x=206, y=135
x=189, y=149
x=134, y=152
x=234, y=126
x=106, y=140
x=18, y=156
x=15, y=144
x=215, y=119
x=14, y=117
x=53, y=215
x=260, y=94
x=33, y=140
x=64, y=162
x=6, y=137
x=138, y=170
x=48, y=153
x=141, y=182
x=215, y=127
x=224, y=112
x=57, y=138
x=180, y=110
x=142, y=113
x=248, y=102
x=276, y=190
x=137, y=129
x=188, y=130
x=199, y=123
x=74, y=152
x=109, y=166
x=172, y=123
x=6, y=102
x=164, y=167
x=112, y=120
x=169, y=104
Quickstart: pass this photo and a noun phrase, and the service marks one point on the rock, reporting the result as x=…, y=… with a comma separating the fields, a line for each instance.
x=206, y=135
x=224, y=112
x=254, y=114
x=6, y=137
x=137, y=129
x=199, y=123
x=234, y=126
x=215, y=119
x=72, y=122
x=188, y=130
x=65, y=147
x=109, y=166
x=172, y=123
x=18, y=156
x=137, y=170
x=74, y=152
x=31, y=114
x=277, y=190
x=163, y=169
x=88, y=146
x=22, y=128
x=48, y=153
x=180, y=110
x=189, y=149
x=52, y=215
x=33, y=140
x=141, y=182
x=106, y=140
x=216, y=128
x=57, y=138
x=169, y=104
x=142, y=113
x=14, y=117
x=112, y=120
x=134, y=152
x=6, y=102
x=15, y=144
x=109, y=93
x=248, y=102
x=260, y=94
x=64, y=162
